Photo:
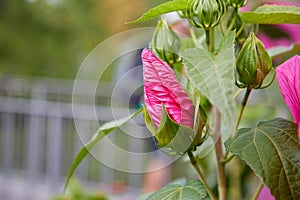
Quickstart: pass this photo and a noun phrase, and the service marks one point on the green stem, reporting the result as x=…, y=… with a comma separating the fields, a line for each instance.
x=235, y=14
x=209, y=39
x=210, y=42
x=219, y=155
x=235, y=187
x=201, y=176
x=227, y=159
x=244, y=103
x=256, y=194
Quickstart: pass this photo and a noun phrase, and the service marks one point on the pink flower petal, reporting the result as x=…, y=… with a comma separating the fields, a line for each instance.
x=162, y=88
x=288, y=77
x=265, y=194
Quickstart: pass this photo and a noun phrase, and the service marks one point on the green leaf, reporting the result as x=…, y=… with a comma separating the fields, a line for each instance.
x=194, y=189
x=272, y=150
x=167, y=7
x=272, y=14
x=213, y=76
x=100, y=133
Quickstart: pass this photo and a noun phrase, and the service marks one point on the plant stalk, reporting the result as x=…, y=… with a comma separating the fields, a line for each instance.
x=210, y=42
x=244, y=103
x=255, y=196
x=209, y=39
x=201, y=176
x=219, y=155
x=235, y=11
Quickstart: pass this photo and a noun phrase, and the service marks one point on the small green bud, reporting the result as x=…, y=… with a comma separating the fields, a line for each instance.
x=166, y=43
x=237, y=3
x=206, y=13
x=253, y=63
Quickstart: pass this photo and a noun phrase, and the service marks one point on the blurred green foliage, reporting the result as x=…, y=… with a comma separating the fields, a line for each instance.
x=52, y=37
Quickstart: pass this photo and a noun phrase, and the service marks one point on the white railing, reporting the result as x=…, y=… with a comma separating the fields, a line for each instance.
x=38, y=138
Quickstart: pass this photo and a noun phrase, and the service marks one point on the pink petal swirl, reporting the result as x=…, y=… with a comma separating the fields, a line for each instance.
x=162, y=88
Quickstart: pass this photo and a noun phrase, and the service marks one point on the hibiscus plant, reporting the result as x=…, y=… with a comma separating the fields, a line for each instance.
x=193, y=88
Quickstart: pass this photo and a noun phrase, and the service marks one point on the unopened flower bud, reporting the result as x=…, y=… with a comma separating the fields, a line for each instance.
x=253, y=63
x=237, y=3
x=170, y=113
x=166, y=43
x=207, y=13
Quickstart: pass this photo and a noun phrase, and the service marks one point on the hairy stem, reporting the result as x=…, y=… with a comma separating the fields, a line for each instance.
x=219, y=155
x=256, y=194
x=201, y=176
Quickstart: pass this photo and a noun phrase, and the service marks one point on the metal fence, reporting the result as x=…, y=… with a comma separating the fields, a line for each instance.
x=38, y=138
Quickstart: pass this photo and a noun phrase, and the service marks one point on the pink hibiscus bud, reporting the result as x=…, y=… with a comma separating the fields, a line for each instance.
x=163, y=89
x=288, y=77
x=169, y=112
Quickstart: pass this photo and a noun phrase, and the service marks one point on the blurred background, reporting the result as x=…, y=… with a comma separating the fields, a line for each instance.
x=52, y=37
x=42, y=45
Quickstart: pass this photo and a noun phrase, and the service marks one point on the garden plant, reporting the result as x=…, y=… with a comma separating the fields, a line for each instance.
x=197, y=87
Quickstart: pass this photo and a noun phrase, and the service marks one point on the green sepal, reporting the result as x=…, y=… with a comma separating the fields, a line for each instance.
x=172, y=136
x=150, y=125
